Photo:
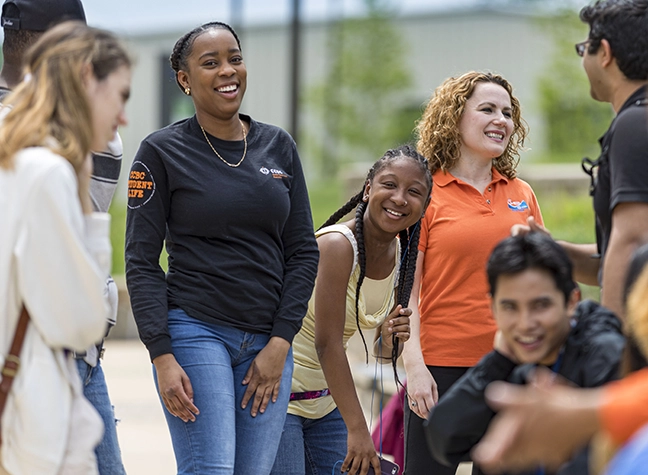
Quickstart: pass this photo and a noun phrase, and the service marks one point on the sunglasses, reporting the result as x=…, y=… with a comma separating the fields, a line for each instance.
x=580, y=47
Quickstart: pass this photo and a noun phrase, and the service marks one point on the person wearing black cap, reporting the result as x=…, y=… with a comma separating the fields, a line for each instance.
x=24, y=22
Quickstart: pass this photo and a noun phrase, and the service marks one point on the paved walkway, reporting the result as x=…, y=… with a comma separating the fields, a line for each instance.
x=143, y=435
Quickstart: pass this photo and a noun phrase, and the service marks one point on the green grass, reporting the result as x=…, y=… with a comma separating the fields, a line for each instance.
x=567, y=157
x=568, y=217
x=117, y=235
x=325, y=199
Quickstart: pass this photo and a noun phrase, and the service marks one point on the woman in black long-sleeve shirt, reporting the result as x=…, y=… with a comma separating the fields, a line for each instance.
x=227, y=196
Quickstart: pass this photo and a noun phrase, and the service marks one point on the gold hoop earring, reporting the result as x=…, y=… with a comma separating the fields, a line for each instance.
x=187, y=91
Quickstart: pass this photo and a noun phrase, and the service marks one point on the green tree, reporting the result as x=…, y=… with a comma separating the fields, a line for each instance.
x=574, y=121
x=359, y=106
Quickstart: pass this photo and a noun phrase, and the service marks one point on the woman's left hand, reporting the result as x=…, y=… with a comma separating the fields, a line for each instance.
x=361, y=453
x=263, y=378
x=397, y=323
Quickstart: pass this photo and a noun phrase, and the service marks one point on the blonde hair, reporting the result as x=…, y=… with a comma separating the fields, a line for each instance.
x=51, y=101
x=637, y=312
x=438, y=129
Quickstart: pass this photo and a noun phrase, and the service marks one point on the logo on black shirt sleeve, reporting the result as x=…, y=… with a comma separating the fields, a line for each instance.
x=141, y=185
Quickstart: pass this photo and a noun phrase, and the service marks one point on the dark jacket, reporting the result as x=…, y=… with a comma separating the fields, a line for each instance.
x=591, y=358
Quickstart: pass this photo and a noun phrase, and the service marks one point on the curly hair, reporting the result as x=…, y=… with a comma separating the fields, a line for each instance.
x=438, y=129
x=637, y=313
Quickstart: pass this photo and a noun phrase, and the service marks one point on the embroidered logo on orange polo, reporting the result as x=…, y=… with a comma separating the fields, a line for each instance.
x=141, y=185
x=517, y=205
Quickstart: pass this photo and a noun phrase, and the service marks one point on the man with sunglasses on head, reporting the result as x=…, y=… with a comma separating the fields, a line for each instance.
x=615, y=59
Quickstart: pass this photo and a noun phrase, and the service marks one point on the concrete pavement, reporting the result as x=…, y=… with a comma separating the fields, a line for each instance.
x=142, y=430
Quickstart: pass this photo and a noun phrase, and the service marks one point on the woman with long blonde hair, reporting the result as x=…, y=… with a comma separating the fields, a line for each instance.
x=54, y=252
x=472, y=134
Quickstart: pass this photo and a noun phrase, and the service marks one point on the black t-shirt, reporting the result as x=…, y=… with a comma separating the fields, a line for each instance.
x=623, y=165
x=241, y=246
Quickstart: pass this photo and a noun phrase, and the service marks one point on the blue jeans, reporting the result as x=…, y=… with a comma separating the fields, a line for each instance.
x=95, y=390
x=224, y=439
x=312, y=446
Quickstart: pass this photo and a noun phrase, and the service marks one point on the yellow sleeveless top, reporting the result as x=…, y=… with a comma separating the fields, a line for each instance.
x=307, y=373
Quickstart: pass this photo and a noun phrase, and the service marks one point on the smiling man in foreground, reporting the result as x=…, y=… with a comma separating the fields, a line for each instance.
x=540, y=322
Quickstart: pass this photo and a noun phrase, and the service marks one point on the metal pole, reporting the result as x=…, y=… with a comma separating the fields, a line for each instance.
x=295, y=34
x=330, y=160
x=236, y=15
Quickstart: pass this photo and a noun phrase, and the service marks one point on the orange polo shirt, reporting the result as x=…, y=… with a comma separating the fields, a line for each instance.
x=625, y=406
x=460, y=229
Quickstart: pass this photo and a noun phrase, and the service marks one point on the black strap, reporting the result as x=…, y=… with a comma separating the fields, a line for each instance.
x=589, y=166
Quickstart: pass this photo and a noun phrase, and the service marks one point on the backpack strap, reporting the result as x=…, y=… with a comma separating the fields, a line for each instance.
x=590, y=165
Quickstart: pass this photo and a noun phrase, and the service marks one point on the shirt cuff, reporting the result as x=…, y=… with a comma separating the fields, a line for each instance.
x=285, y=330
x=159, y=346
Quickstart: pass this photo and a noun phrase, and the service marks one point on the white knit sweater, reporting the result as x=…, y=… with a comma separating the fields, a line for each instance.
x=55, y=260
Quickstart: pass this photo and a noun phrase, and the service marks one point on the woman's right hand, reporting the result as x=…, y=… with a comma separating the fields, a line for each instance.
x=422, y=391
x=531, y=226
x=361, y=453
x=175, y=388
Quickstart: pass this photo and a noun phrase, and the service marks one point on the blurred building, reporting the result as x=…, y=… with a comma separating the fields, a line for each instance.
x=439, y=44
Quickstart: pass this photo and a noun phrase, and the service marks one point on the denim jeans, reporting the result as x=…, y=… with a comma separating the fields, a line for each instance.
x=312, y=446
x=224, y=439
x=95, y=390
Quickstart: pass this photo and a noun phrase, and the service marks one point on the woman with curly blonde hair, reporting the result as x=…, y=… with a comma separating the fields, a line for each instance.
x=472, y=134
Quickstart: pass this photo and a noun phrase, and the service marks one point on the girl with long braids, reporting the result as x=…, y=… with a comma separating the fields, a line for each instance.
x=365, y=275
x=227, y=196
x=472, y=133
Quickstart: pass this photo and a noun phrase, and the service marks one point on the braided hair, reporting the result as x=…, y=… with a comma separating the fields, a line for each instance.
x=409, y=238
x=183, y=47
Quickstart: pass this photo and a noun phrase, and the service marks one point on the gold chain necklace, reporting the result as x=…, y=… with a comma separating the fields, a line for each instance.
x=218, y=154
